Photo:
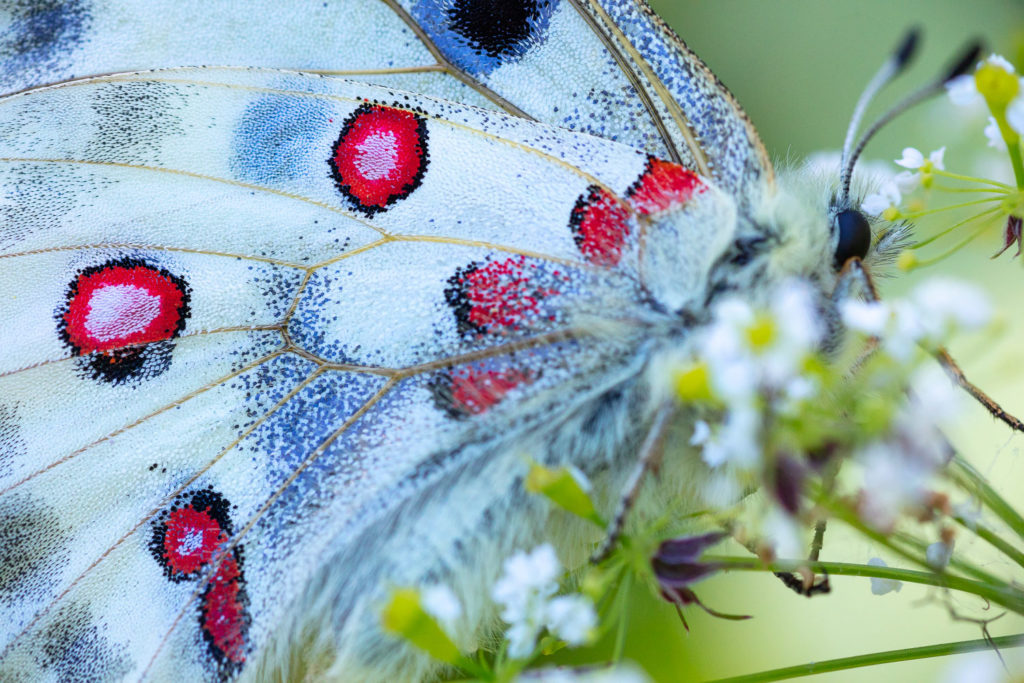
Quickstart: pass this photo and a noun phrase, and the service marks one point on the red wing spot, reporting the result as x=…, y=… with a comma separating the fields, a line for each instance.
x=223, y=619
x=499, y=297
x=663, y=185
x=187, y=539
x=380, y=156
x=123, y=303
x=471, y=391
x=600, y=225
x=190, y=540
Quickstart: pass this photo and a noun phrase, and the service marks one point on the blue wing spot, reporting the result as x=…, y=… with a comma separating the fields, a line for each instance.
x=39, y=38
x=276, y=137
x=478, y=36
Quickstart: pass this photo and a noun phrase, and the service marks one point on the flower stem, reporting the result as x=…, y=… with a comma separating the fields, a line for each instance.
x=970, y=179
x=949, y=252
x=902, y=655
x=983, y=214
x=964, y=474
x=992, y=539
x=961, y=205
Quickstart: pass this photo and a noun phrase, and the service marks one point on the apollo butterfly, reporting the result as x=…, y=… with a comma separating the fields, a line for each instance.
x=276, y=334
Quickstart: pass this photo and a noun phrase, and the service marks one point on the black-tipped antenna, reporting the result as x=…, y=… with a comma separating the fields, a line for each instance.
x=889, y=70
x=964, y=62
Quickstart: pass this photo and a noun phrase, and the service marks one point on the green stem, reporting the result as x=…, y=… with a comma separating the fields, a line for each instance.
x=946, y=188
x=995, y=591
x=1018, y=163
x=963, y=243
x=970, y=179
x=992, y=539
x=927, y=578
x=623, y=610
x=964, y=474
x=983, y=214
x=887, y=657
x=961, y=205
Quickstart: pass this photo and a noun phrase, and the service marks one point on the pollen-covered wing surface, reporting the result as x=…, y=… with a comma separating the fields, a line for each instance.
x=247, y=314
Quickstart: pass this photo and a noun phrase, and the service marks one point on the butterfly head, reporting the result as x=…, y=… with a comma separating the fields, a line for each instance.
x=809, y=224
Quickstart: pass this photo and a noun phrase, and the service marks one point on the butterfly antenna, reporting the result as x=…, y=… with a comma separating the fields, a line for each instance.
x=959, y=67
x=890, y=70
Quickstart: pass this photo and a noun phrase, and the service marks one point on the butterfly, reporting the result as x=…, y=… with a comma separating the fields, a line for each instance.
x=277, y=334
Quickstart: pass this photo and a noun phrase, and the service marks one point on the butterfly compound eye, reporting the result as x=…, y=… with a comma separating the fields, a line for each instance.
x=854, y=236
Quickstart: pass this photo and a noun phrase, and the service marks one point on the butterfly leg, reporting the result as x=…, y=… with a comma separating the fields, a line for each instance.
x=957, y=375
x=802, y=582
x=854, y=271
x=650, y=458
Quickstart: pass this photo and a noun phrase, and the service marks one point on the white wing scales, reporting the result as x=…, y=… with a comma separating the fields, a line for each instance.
x=307, y=308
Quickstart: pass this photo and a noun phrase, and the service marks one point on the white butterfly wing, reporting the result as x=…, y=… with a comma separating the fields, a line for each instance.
x=252, y=321
x=609, y=68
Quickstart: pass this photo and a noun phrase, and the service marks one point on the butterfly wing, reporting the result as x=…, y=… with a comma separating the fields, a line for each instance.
x=258, y=325
x=609, y=68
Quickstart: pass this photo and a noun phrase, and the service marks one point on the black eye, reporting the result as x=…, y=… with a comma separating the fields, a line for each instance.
x=854, y=236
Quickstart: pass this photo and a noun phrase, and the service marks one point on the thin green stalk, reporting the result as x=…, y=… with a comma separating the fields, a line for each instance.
x=961, y=205
x=970, y=179
x=983, y=214
x=946, y=188
x=964, y=474
x=997, y=592
x=1018, y=163
x=623, y=609
x=993, y=539
x=963, y=243
x=927, y=578
x=889, y=656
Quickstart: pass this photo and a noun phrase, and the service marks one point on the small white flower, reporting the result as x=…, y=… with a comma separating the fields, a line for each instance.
x=870, y=317
x=1015, y=114
x=938, y=554
x=571, y=618
x=892, y=483
x=888, y=196
x=907, y=181
x=440, y=602
x=883, y=586
x=963, y=91
x=522, y=591
x=528, y=579
x=912, y=158
x=522, y=638
x=994, y=135
x=1000, y=61
x=701, y=433
x=944, y=304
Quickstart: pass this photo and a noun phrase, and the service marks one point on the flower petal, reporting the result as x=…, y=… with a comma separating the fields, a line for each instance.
x=912, y=158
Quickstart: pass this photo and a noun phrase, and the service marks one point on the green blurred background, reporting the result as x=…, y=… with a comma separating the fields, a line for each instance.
x=797, y=67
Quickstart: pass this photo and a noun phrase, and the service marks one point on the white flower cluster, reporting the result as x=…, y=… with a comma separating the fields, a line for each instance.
x=899, y=469
x=526, y=594
x=751, y=356
x=935, y=309
x=891, y=193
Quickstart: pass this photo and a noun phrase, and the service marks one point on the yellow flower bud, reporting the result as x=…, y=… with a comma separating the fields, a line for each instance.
x=693, y=383
x=891, y=214
x=906, y=261
x=762, y=332
x=404, y=616
x=997, y=85
x=564, y=490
